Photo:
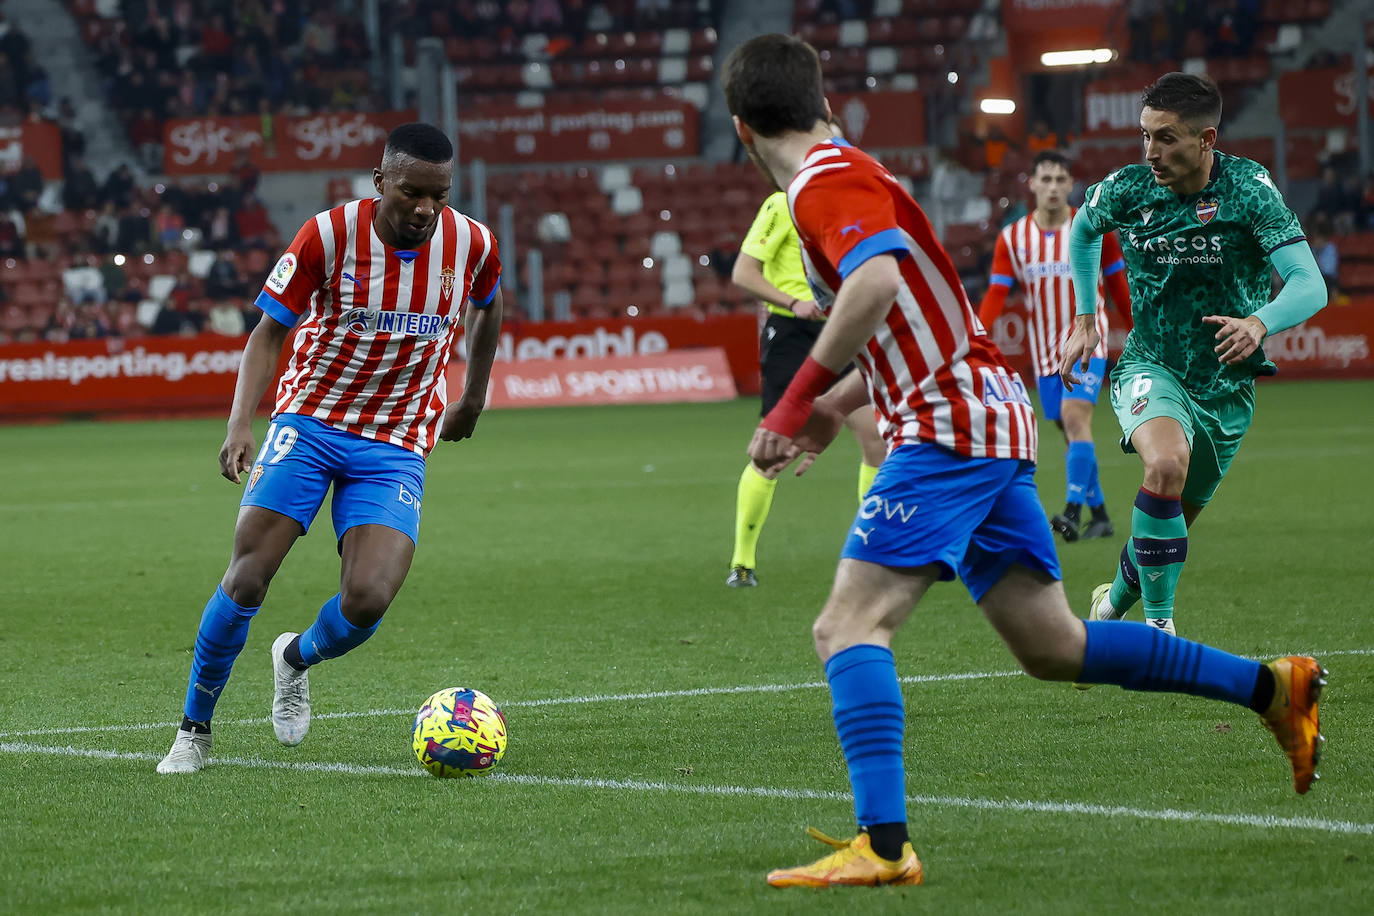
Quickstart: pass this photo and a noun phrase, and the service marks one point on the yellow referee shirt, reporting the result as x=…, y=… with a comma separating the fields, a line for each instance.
x=772, y=239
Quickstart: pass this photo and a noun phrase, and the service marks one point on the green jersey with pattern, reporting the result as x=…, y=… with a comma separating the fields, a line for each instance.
x=1194, y=255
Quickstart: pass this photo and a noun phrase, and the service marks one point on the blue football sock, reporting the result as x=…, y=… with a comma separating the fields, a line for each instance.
x=1138, y=656
x=1078, y=467
x=223, y=631
x=331, y=635
x=1093, y=496
x=870, y=720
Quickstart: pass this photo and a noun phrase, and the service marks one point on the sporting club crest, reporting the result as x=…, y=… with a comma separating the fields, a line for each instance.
x=1207, y=209
x=255, y=476
x=447, y=276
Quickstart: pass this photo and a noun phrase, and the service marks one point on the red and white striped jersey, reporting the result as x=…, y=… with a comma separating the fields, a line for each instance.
x=1038, y=260
x=934, y=375
x=376, y=323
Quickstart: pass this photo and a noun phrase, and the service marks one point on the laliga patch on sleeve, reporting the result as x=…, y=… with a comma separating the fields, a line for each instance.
x=281, y=274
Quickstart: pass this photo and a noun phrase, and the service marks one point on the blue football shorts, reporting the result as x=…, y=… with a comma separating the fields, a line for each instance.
x=973, y=517
x=375, y=482
x=1052, y=390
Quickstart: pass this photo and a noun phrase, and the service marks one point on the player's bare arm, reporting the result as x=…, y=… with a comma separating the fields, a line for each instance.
x=748, y=276
x=482, y=330
x=256, y=371
x=863, y=301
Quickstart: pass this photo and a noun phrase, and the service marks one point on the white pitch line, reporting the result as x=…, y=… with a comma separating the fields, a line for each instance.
x=513, y=704
x=573, y=700
x=1266, y=821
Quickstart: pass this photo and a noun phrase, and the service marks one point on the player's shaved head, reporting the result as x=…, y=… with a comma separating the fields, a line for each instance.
x=416, y=140
x=1194, y=98
x=773, y=84
x=413, y=184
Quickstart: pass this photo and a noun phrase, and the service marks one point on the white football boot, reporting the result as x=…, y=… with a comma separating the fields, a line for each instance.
x=1162, y=623
x=189, y=754
x=290, y=696
x=1100, y=607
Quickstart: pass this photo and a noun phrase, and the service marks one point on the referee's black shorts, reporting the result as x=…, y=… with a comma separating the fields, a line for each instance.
x=784, y=346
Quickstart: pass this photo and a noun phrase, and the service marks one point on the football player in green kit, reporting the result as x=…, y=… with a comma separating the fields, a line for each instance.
x=1201, y=231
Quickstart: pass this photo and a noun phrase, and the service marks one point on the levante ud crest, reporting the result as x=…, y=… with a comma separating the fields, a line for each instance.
x=1207, y=209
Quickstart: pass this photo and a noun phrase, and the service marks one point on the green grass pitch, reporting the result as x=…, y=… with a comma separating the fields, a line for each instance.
x=670, y=737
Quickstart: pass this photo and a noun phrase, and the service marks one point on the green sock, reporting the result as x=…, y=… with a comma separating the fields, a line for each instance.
x=1126, y=586
x=866, y=474
x=1160, y=537
x=751, y=509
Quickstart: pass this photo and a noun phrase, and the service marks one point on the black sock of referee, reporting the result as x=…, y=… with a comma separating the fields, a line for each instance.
x=887, y=839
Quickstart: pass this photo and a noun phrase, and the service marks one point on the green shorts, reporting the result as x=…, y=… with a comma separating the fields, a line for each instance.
x=1214, y=427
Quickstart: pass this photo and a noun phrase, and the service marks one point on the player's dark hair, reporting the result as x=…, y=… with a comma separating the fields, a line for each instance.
x=1194, y=98
x=420, y=141
x=773, y=84
x=1053, y=157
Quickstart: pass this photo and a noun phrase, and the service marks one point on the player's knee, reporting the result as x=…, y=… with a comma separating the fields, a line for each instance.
x=1165, y=473
x=823, y=636
x=364, y=603
x=1047, y=665
x=245, y=582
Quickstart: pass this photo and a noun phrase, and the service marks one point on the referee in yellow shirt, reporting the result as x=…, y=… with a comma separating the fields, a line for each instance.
x=770, y=267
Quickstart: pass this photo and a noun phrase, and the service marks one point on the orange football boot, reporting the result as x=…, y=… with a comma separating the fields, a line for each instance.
x=852, y=863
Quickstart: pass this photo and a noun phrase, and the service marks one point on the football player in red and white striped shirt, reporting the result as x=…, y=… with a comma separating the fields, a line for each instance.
x=955, y=493
x=370, y=294
x=1034, y=253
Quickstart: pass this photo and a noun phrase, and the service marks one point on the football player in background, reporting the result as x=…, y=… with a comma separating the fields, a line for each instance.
x=1202, y=232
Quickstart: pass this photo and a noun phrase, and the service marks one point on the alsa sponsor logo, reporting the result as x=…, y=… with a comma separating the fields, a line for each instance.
x=1002, y=387
x=877, y=506
x=282, y=273
x=365, y=322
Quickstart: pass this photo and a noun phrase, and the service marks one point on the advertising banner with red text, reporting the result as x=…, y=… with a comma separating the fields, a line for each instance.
x=145, y=375
x=1334, y=343
x=166, y=375
x=656, y=378
x=41, y=140
x=1111, y=107
x=589, y=338
x=1325, y=97
x=881, y=120
x=630, y=129
x=327, y=141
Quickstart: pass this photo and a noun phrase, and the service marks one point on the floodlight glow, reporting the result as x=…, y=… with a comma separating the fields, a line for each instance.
x=997, y=106
x=1077, y=58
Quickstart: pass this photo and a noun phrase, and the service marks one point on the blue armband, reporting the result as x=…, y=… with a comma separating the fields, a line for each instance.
x=1085, y=261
